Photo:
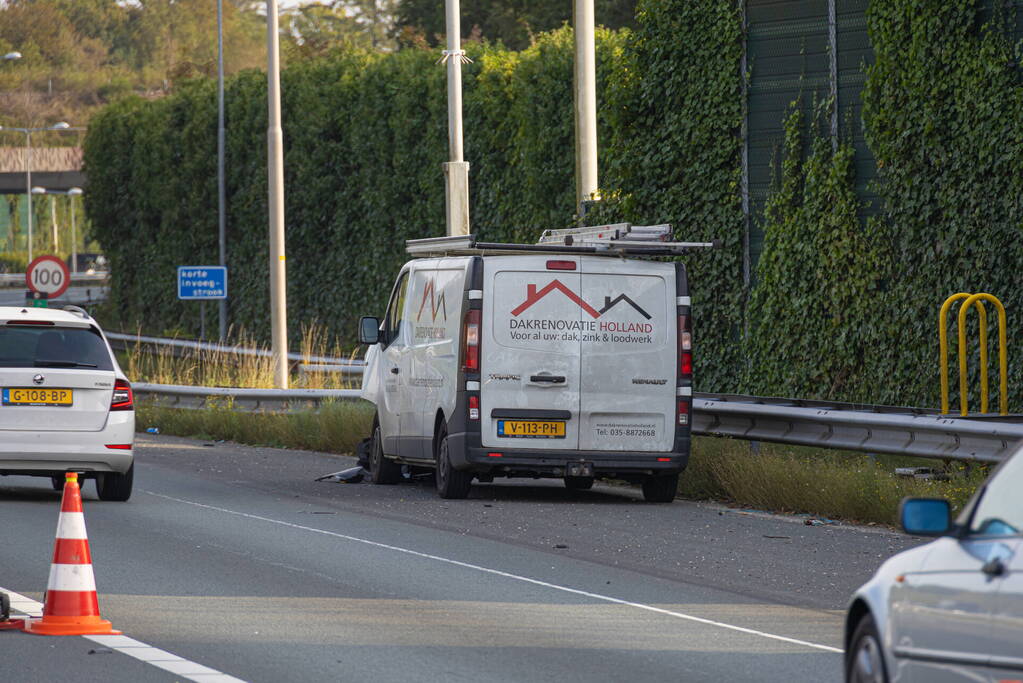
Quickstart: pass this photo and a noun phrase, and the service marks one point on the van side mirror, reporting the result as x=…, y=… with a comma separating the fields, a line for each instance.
x=925, y=516
x=369, y=330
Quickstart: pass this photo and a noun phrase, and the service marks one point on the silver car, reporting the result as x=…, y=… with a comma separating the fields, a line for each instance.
x=950, y=610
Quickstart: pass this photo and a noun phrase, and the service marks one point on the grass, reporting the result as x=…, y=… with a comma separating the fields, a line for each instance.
x=159, y=365
x=333, y=428
x=826, y=483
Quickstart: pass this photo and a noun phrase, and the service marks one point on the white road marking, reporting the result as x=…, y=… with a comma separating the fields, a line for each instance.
x=508, y=575
x=153, y=656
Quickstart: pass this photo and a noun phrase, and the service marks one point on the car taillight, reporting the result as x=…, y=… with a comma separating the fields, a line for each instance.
x=471, y=341
x=123, y=399
x=685, y=347
x=474, y=407
x=683, y=413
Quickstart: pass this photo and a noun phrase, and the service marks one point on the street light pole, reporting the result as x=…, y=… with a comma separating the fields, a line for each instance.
x=221, y=190
x=71, y=193
x=275, y=188
x=585, y=104
x=456, y=171
x=28, y=187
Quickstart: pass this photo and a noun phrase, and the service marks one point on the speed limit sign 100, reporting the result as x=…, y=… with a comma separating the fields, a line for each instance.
x=48, y=275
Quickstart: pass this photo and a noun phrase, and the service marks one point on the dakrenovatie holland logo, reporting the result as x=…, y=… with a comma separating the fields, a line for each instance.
x=533, y=296
x=599, y=329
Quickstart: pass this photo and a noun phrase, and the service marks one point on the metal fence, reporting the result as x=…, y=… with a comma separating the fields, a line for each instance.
x=865, y=428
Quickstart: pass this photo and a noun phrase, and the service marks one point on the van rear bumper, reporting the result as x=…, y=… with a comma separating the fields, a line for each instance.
x=466, y=453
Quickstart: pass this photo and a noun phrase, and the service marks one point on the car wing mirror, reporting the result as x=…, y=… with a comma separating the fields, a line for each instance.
x=369, y=330
x=925, y=516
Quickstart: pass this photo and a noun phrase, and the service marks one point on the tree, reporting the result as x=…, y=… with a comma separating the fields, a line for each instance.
x=317, y=28
x=512, y=22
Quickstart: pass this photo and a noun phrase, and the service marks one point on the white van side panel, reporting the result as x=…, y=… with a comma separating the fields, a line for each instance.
x=435, y=314
x=531, y=317
x=629, y=364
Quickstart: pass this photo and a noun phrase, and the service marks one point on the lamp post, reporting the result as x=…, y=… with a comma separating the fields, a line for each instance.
x=71, y=192
x=60, y=125
x=275, y=186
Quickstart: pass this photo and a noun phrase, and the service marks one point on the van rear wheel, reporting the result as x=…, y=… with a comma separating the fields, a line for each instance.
x=660, y=488
x=382, y=470
x=451, y=483
x=578, y=483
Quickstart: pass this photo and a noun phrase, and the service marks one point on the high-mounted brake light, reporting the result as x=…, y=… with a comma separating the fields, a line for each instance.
x=471, y=341
x=30, y=322
x=561, y=265
x=123, y=398
x=474, y=407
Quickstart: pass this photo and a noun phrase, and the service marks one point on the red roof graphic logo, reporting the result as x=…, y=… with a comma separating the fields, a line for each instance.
x=532, y=296
x=436, y=302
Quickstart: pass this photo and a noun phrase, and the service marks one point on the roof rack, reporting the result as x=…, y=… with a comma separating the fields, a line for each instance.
x=70, y=308
x=619, y=239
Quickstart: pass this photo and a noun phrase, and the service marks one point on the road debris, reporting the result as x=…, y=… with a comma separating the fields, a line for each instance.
x=352, y=475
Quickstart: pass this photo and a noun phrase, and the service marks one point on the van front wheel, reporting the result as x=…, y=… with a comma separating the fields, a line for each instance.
x=660, y=488
x=451, y=483
x=382, y=470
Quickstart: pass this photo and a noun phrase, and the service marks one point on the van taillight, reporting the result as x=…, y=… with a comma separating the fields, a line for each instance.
x=561, y=265
x=123, y=399
x=683, y=413
x=474, y=407
x=471, y=341
x=685, y=347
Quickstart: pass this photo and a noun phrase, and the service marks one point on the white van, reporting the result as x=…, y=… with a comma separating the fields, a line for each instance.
x=533, y=360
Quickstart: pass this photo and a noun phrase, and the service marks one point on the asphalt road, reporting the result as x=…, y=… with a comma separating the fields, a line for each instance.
x=236, y=561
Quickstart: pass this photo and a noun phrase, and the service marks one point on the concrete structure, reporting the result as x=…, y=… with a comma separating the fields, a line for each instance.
x=55, y=168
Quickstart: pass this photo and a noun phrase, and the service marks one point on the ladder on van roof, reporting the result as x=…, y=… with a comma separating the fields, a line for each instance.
x=618, y=239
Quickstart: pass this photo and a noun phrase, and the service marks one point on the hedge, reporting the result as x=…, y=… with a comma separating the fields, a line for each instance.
x=842, y=308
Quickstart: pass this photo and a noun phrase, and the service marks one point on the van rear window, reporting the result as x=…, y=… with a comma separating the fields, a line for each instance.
x=23, y=346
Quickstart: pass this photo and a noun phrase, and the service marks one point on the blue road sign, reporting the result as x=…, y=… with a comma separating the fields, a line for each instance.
x=202, y=282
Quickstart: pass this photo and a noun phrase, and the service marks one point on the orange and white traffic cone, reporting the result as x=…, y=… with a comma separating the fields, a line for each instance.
x=71, y=607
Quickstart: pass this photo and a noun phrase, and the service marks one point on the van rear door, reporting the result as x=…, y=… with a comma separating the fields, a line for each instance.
x=530, y=370
x=628, y=365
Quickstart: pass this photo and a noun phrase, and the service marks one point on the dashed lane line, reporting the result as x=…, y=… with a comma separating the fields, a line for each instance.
x=509, y=575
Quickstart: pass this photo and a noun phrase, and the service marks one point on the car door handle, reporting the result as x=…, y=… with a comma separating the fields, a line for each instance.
x=394, y=371
x=994, y=567
x=550, y=379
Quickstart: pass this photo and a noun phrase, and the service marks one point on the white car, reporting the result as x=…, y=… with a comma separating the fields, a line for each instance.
x=65, y=405
x=532, y=361
x=950, y=610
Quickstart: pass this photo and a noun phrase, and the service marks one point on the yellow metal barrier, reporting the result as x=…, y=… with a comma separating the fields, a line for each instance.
x=978, y=301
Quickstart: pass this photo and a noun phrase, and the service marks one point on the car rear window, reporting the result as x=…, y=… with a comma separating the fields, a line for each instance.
x=39, y=346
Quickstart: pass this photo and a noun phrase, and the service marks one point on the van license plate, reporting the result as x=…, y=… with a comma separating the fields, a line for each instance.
x=531, y=429
x=37, y=397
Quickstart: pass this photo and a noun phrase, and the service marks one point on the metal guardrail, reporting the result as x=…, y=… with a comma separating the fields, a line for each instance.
x=845, y=426
x=306, y=363
x=17, y=280
x=179, y=396
x=871, y=429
